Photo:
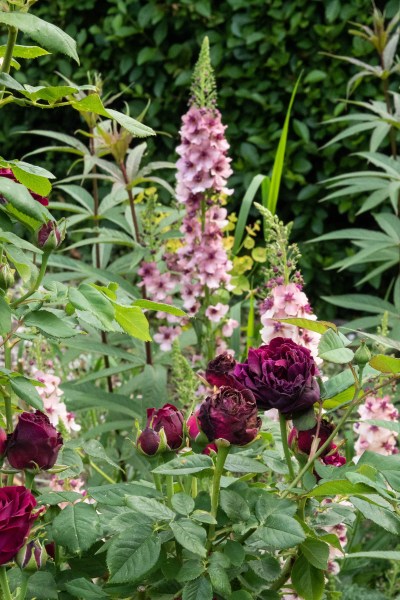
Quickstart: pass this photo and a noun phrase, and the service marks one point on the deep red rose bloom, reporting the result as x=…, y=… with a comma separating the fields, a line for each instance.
x=194, y=432
x=10, y=175
x=16, y=519
x=335, y=459
x=149, y=441
x=3, y=442
x=231, y=415
x=281, y=375
x=219, y=371
x=171, y=420
x=303, y=439
x=34, y=442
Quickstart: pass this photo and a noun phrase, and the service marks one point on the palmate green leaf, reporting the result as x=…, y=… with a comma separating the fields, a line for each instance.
x=83, y=588
x=381, y=516
x=331, y=348
x=48, y=35
x=385, y=364
x=132, y=554
x=190, y=536
x=5, y=317
x=317, y=326
x=77, y=527
x=198, y=589
x=133, y=321
x=49, y=324
x=307, y=581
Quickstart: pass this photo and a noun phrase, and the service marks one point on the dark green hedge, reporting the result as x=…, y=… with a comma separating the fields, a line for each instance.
x=259, y=47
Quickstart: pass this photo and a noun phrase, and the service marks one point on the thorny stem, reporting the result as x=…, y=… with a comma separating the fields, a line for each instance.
x=222, y=454
x=149, y=358
x=285, y=574
x=24, y=587
x=284, y=438
x=5, y=67
x=4, y=584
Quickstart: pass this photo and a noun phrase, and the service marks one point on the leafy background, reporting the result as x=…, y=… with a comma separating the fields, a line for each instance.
x=147, y=49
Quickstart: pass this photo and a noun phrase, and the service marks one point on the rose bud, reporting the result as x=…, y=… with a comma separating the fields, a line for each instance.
x=3, y=442
x=34, y=443
x=303, y=440
x=335, y=459
x=31, y=557
x=220, y=370
x=10, y=175
x=230, y=415
x=6, y=276
x=196, y=434
x=151, y=442
x=170, y=420
x=16, y=519
x=49, y=236
x=280, y=375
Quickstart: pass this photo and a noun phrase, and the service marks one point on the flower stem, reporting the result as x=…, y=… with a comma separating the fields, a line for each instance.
x=170, y=488
x=24, y=587
x=223, y=452
x=29, y=479
x=283, y=426
x=4, y=584
x=5, y=67
x=43, y=266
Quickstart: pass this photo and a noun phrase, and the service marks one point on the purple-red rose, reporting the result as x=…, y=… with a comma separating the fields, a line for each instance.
x=16, y=519
x=281, y=375
x=219, y=371
x=194, y=432
x=3, y=442
x=164, y=430
x=334, y=459
x=303, y=440
x=34, y=442
x=10, y=175
x=231, y=415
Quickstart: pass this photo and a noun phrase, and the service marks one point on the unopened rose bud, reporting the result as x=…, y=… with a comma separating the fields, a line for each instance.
x=6, y=276
x=362, y=355
x=31, y=557
x=151, y=442
x=303, y=440
x=49, y=236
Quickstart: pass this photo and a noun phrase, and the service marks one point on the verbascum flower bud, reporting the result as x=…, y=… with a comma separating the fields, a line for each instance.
x=49, y=236
x=31, y=557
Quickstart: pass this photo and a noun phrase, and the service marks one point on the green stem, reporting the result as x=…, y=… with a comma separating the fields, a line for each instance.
x=5, y=67
x=170, y=488
x=24, y=587
x=6, y=392
x=223, y=452
x=157, y=482
x=285, y=574
x=283, y=426
x=29, y=479
x=43, y=266
x=4, y=584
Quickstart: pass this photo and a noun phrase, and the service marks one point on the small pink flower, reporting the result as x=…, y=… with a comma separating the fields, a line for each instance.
x=217, y=312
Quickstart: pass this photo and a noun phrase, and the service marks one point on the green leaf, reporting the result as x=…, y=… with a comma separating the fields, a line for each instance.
x=94, y=449
x=186, y=465
x=39, y=185
x=381, y=516
x=82, y=588
x=151, y=508
x=77, y=527
x=305, y=421
x=182, y=503
x=132, y=554
x=219, y=579
x=241, y=595
x=379, y=554
x=133, y=321
x=25, y=390
x=316, y=552
x=244, y=211
x=280, y=532
x=388, y=466
x=385, y=364
x=87, y=298
x=268, y=567
x=235, y=552
x=20, y=202
x=25, y=51
x=49, y=324
x=317, y=326
x=307, y=581
x=54, y=498
x=21, y=262
x=190, y=535
x=198, y=589
x=167, y=308
x=48, y=35
x=5, y=317
x=242, y=464
x=11, y=238
x=332, y=349
x=115, y=494
x=191, y=569
x=340, y=487
x=202, y=516
x=234, y=506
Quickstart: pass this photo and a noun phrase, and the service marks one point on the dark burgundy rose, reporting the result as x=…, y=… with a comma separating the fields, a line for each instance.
x=170, y=419
x=10, y=175
x=231, y=415
x=34, y=442
x=302, y=440
x=281, y=375
x=149, y=442
x=48, y=236
x=3, y=442
x=16, y=519
x=335, y=459
x=219, y=370
x=194, y=432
